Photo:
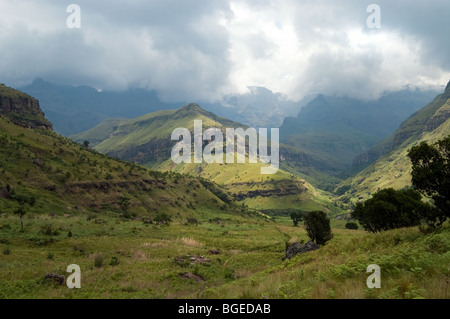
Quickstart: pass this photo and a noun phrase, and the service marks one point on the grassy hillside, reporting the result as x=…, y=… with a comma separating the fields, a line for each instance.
x=430, y=124
x=130, y=259
x=67, y=178
x=274, y=194
x=213, y=247
x=146, y=140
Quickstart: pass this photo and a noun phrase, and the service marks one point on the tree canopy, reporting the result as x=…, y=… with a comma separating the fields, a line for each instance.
x=389, y=209
x=431, y=175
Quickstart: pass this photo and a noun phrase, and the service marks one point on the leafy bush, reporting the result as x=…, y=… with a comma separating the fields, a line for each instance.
x=431, y=176
x=48, y=230
x=351, y=225
x=162, y=218
x=317, y=226
x=390, y=209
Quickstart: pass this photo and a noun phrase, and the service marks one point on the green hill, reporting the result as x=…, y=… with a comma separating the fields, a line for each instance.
x=68, y=178
x=392, y=166
x=212, y=248
x=146, y=140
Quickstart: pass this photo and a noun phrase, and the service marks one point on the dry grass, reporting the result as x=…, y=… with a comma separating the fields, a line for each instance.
x=191, y=242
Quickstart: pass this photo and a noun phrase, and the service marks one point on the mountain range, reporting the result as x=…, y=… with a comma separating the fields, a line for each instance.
x=68, y=178
x=74, y=109
x=146, y=140
x=388, y=163
x=320, y=143
x=338, y=129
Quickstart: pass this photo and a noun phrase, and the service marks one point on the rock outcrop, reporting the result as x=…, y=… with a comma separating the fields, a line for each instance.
x=298, y=248
x=22, y=109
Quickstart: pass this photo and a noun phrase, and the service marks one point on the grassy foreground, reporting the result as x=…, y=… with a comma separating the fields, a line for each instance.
x=129, y=259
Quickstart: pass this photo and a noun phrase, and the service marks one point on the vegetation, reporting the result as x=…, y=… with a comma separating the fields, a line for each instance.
x=22, y=198
x=390, y=209
x=296, y=217
x=351, y=225
x=431, y=176
x=413, y=264
x=125, y=226
x=390, y=166
x=317, y=226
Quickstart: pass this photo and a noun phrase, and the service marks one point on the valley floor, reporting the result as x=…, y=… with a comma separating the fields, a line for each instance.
x=130, y=259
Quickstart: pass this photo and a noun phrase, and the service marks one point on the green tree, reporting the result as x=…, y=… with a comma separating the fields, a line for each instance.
x=351, y=225
x=86, y=143
x=389, y=209
x=22, y=198
x=296, y=217
x=317, y=226
x=431, y=176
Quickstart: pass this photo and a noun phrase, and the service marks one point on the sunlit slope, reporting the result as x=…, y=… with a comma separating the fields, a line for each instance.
x=147, y=140
x=275, y=193
x=393, y=169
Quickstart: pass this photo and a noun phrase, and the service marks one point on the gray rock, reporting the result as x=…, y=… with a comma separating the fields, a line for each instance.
x=298, y=248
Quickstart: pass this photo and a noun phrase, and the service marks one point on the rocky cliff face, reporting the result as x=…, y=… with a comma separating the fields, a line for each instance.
x=437, y=120
x=22, y=109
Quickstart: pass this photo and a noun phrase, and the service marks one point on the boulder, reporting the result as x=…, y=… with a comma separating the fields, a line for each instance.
x=298, y=248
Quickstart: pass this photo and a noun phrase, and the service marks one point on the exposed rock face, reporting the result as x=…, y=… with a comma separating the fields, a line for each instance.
x=297, y=248
x=439, y=118
x=268, y=189
x=369, y=156
x=22, y=109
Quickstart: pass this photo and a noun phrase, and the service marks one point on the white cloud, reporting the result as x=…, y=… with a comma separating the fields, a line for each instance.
x=193, y=50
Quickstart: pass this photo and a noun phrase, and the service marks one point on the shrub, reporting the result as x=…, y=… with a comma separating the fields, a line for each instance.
x=114, y=261
x=48, y=230
x=317, y=226
x=351, y=225
x=162, y=218
x=390, y=209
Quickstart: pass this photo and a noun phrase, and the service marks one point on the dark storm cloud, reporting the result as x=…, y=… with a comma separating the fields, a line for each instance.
x=201, y=49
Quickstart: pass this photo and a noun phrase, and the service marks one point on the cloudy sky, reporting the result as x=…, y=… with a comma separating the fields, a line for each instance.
x=203, y=49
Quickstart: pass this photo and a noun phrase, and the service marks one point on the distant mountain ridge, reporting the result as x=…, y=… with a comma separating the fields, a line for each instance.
x=424, y=119
x=390, y=165
x=337, y=129
x=74, y=109
x=147, y=140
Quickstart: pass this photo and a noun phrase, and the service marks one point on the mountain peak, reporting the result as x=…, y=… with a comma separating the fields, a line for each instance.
x=192, y=109
x=447, y=90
